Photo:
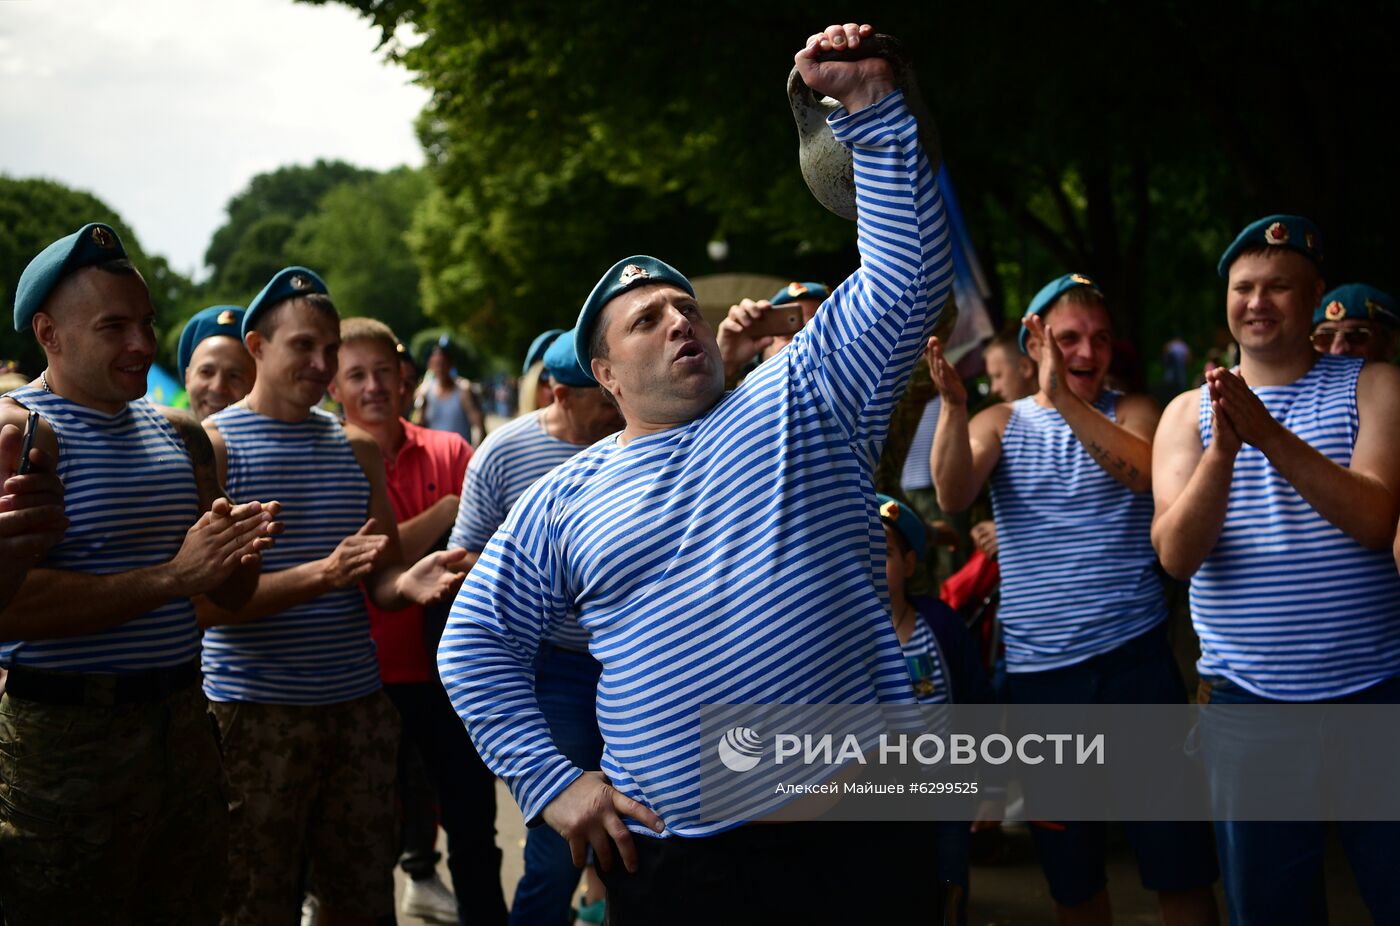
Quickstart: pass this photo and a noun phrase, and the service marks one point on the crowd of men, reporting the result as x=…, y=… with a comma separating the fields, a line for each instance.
x=235, y=690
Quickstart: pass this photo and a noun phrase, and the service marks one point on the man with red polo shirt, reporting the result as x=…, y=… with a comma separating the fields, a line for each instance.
x=424, y=469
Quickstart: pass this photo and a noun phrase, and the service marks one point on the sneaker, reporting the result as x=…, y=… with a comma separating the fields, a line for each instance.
x=591, y=912
x=429, y=899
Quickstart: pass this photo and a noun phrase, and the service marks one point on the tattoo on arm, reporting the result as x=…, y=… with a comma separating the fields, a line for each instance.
x=1111, y=461
x=201, y=453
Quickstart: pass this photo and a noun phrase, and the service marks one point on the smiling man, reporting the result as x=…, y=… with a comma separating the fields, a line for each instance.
x=111, y=795
x=1084, y=623
x=309, y=739
x=214, y=364
x=1277, y=487
x=424, y=469
x=662, y=543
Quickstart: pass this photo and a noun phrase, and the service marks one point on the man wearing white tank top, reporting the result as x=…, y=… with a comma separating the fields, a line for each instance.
x=1084, y=624
x=111, y=797
x=1277, y=486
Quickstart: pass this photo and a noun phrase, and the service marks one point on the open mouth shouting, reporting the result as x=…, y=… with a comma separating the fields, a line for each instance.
x=690, y=353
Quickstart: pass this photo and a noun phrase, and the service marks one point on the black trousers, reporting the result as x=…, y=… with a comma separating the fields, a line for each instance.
x=806, y=872
x=466, y=795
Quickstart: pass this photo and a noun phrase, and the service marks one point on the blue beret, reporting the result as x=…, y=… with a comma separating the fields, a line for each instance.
x=94, y=243
x=628, y=273
x=903, y=519
x=285, y=283
x=537, y=348
x=795, y=291
x=1357, y=300
x=208, y=323
x=561, y=363
x=1280, y=231
x=1048, y=294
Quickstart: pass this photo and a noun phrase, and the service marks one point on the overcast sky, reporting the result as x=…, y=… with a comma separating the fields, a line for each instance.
x=166, y=108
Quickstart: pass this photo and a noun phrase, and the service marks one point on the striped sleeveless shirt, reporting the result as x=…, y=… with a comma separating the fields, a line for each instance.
x=1287, y=606
x=130, y=497
x=1078, y=572
x=319, y=652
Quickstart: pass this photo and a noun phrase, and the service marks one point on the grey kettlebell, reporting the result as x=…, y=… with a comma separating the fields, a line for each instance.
x=826, y=164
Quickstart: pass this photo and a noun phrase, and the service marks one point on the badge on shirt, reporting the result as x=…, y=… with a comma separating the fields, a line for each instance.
x=923, y=673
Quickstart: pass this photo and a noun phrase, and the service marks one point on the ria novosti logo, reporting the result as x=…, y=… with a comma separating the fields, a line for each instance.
x=740, y=749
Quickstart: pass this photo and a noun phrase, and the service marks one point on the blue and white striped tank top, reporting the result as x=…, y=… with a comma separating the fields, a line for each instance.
x=1078, y=572
x=319, y=652
x=1286, y=605
x=130, y=497
x=733, y=559
x=509, y=461
x=928, y=670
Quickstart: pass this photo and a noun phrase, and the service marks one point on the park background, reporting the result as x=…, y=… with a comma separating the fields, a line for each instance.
x=1128, y=141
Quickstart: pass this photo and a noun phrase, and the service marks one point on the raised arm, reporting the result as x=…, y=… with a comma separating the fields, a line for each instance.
x=964, y=452
x=860, y=348
x=1123, y=447
x=1362, y=499
x=1190, y=485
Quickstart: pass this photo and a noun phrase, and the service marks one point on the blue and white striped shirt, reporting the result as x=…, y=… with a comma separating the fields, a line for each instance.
x=1078, y=572
x=508, y=462
x=130, y=497
x=917, y=473
x=732, y=559
x=928, y=670
x=1287, y=606
x=319, y=652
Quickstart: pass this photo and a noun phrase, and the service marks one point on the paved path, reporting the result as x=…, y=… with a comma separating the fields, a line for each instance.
x=1011, y=893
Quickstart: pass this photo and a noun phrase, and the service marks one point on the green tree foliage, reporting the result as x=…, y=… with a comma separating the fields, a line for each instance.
x=33, y=214
x=1128, y=141
x=252, y=245
x=355, y=238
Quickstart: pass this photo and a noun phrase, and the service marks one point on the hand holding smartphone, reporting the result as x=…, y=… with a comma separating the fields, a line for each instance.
x=782, y=321
x=31, y=429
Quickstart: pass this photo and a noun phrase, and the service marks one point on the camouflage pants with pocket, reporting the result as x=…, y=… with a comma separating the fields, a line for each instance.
x=111, y=814
x=311, y=790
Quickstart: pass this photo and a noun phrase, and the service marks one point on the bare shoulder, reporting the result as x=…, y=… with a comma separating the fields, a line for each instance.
x=186, y=425
x=1139, y=412
x=1181, y=416
x=1378, y=379
x=195, y=438
x=11, y=412
x=1138, y=403
x=992, y=419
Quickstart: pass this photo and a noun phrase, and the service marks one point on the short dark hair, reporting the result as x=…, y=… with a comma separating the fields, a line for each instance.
x=1008, y=338
x=266, y=321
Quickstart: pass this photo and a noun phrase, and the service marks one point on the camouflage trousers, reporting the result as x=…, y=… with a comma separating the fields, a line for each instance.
x=311, y=792
x=111, y=814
